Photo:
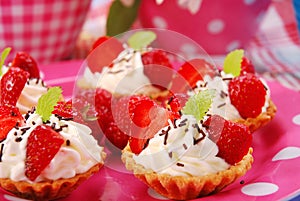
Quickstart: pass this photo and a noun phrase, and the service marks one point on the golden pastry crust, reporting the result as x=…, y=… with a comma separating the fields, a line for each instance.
x=184, y=187
x=47, y=190
x=261, y=120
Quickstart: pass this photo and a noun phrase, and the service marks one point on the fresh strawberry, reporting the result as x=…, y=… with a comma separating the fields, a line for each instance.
x=233, y=139
x=10, y=116
x=113, y=117
x=177, y=101
x=64, y=109
x=247, y=66
x=107, y=49
x=158, y=68
x=189, y=74
x=137, y=145
x=148, y=118
x=43, y=144
x=27, y=63
x=247, y=93
x=12, y=84
x=100, y=41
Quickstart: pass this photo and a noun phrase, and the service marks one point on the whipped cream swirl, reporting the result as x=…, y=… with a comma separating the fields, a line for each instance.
x=125, y=77
x=77, y=155
x=32, y=91
x=182, y=149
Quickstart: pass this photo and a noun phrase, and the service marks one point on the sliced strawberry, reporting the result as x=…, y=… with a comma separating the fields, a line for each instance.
x=10, y=116
x=189, y=74
x=148, y=118
x=104, y=51
x=100, y=41
x=233, y=139
x=42, y=145
x=27, y=63
x=158, y=68
x=12, y=84
x=137, y=145
x=247, y=93
x=113, y=117
x=247, y=66
x=64, y=109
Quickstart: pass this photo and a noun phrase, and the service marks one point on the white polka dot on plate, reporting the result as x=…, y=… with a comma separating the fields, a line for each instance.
x=159, y=22
x=155, y=195
x=296, y=119
x=216, y=26
x=287, y=153
x=12, y=198
x=249, y=2
x=260, y=189
x=188, y=48
x=233, y=45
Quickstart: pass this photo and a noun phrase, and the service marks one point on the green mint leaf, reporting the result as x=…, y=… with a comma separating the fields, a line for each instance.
x=199, y=104
x=141, y=39
x=232, y=62
x=47, y=102
x=4, y=54
x=120, y=17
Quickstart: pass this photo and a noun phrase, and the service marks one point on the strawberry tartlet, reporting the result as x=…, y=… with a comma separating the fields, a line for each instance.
x=242, y=95
x=45, y=155
x=194, y=155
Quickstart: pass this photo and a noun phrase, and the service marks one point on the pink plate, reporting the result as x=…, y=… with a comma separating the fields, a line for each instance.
x=274, y=175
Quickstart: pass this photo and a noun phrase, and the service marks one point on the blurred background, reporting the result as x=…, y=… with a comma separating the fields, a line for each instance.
x=53, y=31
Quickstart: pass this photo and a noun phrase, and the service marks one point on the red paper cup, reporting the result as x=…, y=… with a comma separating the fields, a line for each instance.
x=47, y=30
x=218, y=26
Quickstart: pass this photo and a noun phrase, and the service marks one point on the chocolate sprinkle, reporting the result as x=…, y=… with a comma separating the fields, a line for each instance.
x=68, y=142
x=221, y=105
x=184, y=146
x=18, y=139
x=223, y=94
x=170, y=154
x=1, y=152
x=180, y=164
x=227, y=78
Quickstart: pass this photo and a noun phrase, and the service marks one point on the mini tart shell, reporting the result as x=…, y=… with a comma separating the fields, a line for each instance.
x=184, y=187
x=48, y=190
x=261, y=120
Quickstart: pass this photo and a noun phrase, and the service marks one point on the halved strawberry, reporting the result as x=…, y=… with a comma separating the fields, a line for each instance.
x=233, y=139
x=246, y=66
x=42, y=145
x=105, y=49
x=113, y=117
x=12, y=84
x=64, y=109
x=10, y=116
x=148, y=118
x=24, y=61
x=158, y=68
x=189, y=74
x=247, y=93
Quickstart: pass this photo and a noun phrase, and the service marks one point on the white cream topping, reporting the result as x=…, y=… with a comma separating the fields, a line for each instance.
x=221, y=103
x=32, y=91
x=175, y=151
x=78, y=157
x=125, y=77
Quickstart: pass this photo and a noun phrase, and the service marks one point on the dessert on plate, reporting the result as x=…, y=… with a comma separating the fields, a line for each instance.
x=44, y=154
x=34, y=87
x=195, y=155
x=242, y=96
